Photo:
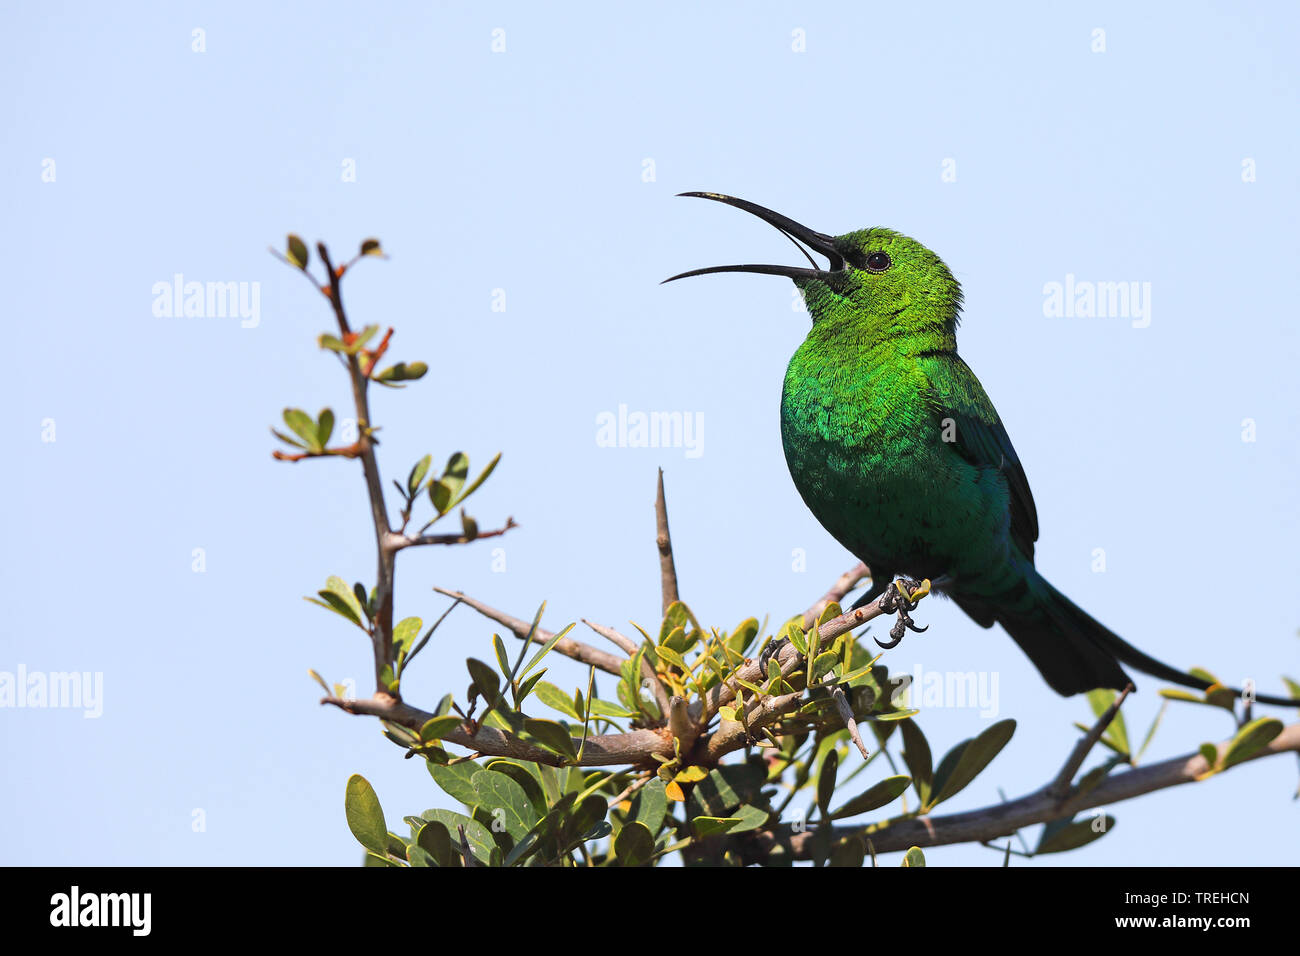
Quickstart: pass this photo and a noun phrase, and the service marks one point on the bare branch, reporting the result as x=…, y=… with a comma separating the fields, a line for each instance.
x=846, y=583
x=720, y=694
x=621, y=641
x=667, y=569
x=382, y=638
x=1061, y=785
x=634, y=747
x=1003, y=819
x=629, y=647
x=769, y=711
x=396, y=541
x=846, y=715
x=594, y=656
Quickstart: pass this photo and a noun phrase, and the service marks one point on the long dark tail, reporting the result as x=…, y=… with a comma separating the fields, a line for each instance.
x=1073, y=652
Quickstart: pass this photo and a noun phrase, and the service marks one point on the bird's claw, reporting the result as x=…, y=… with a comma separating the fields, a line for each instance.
x=901, y=597
x=773, y=648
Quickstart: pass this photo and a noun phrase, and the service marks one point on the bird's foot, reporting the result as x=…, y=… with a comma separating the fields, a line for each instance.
x=773, y=648
x=901, y=598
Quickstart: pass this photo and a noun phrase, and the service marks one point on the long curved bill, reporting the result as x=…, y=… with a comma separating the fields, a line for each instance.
x=817, y=241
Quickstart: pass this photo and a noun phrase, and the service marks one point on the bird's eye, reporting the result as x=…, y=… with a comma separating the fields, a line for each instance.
x=878, y=262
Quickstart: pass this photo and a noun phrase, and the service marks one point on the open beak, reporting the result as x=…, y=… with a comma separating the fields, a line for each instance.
x=796, y=233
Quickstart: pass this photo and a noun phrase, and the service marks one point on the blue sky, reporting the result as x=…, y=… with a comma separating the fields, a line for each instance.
x=526, y=171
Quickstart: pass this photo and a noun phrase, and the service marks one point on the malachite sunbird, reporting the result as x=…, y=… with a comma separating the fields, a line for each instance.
x=898, y=452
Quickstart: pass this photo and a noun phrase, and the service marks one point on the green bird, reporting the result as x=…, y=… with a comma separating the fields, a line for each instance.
x=898, y=452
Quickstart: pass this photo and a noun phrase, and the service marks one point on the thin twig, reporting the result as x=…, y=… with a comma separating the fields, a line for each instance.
x=1003, y=819
x=632, y=788
x=633, y=747
x=664, y=541
x=843, y=585
x=594, y=656
x=1060, y=787
x=629, y=647
x=767, y=712
x=397, y=540
x=621, y=641
x=846, y=715
x=382, y=636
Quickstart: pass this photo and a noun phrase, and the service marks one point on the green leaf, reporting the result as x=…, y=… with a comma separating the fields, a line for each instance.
x=634, y=845
x=750, y=817
x=914, y=857
x=332, y=602
x=742, y=636
x=477, y=835
x=485, y=680
x=404, y=634
x=1211, y=755
x=1100, y=701
x=325, y=426
x=1061, y=835
x=527, y=775
x=526, y=686
x=365, y=816
x=877, y=796
x=455, y=780
x=402, y=372
x=445, y=490
x=503, y=659
x=296, y=252
x=435, y=727
x=556, y=699
x=726, y=788
x=677, y=615
x=709, y=826
x=826, y=782
x=916, y=754
x=895, y=715
x=650, y=806
x=505, y=801
x=1251, y=739
x=482, y=477
x=468, y=526
x=1151, y=733
x=415, y=480
x=287, y=440
x=672, y=657
x=603, y=708
x=829, y=613
x=337, y=586
x=435, y=840
x=546, y=648
x=1170, y=693
x=302, y=425
x=972, y=757
x=850, y=851
x=551, y=735
x=370, y=247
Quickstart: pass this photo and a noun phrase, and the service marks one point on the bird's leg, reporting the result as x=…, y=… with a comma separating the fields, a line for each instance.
x=877, y=588
x=772, y=649
x=901, y=597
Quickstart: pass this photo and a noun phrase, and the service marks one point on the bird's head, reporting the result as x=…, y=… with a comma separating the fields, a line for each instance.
x=876, y=280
